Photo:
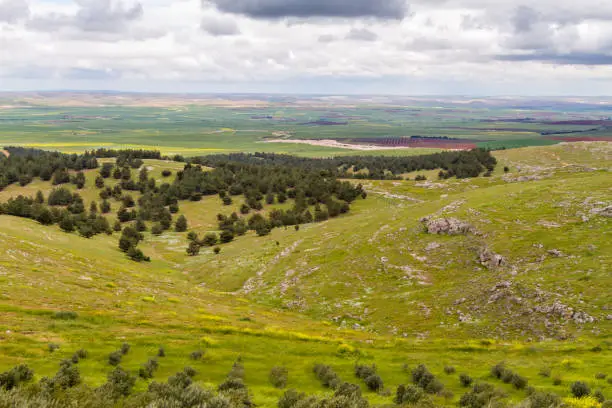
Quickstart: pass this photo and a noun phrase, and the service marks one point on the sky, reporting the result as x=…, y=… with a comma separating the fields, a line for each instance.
x=407, y=47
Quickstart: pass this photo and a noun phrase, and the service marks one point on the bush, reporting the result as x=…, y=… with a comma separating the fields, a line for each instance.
x=114, y=358
x=374, y=383
x=327, y=376
x=601, y=376
x=580, y=389
x=166, y=173
x=196, y=355
x=15, y=376
x=598, y=395
x=557, y=380
x=498, y=370
x=465, y=380
x=81, y=354
x=217, y=250
x=65, y=315
x=157, y=229
x=449, y=370
x=518, y=381
x=119, y=383
x=181, y=224
x=279, y=376
x=606, y=404
x=148, y=369
x=543, y=400
x=125, y=348
x=545, y=372
x=53, y=347
x=210, y=239
x=193, y=249
x=410, y=394
x=161, y=352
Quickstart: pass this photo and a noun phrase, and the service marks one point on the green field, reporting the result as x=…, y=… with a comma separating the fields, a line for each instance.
x=369, y=287
x=191, y=128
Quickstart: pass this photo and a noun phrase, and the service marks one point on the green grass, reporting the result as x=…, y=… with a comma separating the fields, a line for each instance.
x=312, y=287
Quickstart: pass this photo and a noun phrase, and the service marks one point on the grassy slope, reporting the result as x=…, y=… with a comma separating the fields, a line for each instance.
x=369, y=268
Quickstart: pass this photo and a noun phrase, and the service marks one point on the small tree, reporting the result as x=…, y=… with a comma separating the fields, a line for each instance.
x=279, y=376
x=181, y=224
x=193, y=249
x=40, y=198
x=217, y=250
x=580, y=389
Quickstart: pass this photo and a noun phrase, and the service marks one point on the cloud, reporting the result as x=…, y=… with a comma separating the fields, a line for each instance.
x=326, y=38
x=12, y=11
x=577, y=58
x=103, y=16
x=219, y=26
x=361, y=34
x=524, y=19
x=278, y=9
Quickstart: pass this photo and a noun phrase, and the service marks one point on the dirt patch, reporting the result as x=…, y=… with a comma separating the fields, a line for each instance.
x=335, y=143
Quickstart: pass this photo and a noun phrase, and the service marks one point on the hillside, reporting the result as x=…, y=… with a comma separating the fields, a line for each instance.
x=528, y=272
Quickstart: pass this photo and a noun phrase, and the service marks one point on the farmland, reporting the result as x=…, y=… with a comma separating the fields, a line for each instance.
x=190, y=125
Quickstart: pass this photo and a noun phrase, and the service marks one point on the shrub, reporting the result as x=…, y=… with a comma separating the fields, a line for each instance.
x=157, y=229
x=119, y=383
x=193, y=249
x=601, y=376
x=148, y=369
x=426, y=380
x=114, y=358
x=65, y=315
x=543, y=400
x=81, y=354
x=606, y=404
x=410, y=394
x=210, y=239
x=465, y=380
x=598, y=395
x=279, y=376
x=166, y=173
x=217, y=250
x=181, y=224
x=364, y=371
x=15, y=376
x=449, y=370
x=374, y=383
x=327, y=376
x=498, y=370
x=545, y=372
x=196, y=355
x=557, y=380
x=53, y=347
x=518, y=381
x=580, y=389
x=161, y=352
x=189, y=372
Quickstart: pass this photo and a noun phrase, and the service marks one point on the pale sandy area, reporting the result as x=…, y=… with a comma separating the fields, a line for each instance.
x=335, y=143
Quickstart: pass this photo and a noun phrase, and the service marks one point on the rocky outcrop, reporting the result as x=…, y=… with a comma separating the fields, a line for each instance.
x=490, y=259
x=446, y=226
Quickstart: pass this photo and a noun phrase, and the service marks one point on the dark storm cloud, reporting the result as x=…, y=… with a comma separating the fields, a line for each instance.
x=560, y=59
x=218, y=26
x=278, y=9
x=11, y=11
x=92, y=16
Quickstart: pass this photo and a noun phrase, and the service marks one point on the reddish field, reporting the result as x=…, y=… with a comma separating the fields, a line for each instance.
x=463, y=144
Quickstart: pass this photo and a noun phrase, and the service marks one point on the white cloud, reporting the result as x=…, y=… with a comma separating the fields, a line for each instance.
x=440, y=46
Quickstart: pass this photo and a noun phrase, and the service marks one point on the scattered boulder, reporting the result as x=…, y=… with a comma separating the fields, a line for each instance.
x=431, y=246
x=447, y=226
x=556, y=253
x=490, y=259
x=603, y=212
